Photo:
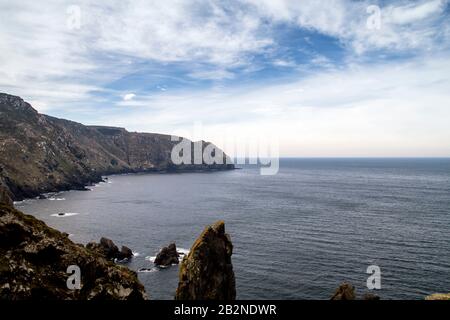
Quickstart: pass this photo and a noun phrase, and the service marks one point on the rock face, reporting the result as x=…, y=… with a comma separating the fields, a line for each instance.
x=34, y=259
x=109, y=250
x=207, y=273
x=5, y=196
x=39, y=153
x=167, y=256
x=345, y=292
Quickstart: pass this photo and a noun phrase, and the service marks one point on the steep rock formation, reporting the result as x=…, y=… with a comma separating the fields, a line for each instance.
x=207, y=273
x=34, y=259
x=39, y=153
x=167, y=256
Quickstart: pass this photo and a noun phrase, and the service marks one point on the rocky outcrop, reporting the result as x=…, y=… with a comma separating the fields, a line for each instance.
x=167, y=256
x=5, y=197
x=438, y=296
x=206, y=273
x=34, y=259
x=345, y=292
x=109, y=250
x=39, y=153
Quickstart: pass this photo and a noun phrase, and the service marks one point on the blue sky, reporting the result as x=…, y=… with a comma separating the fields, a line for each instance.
x=327, y=78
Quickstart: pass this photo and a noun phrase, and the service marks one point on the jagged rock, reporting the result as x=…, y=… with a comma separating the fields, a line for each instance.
x=125, y=253
x=206, y=273
x=438, y=296
x=34, y=259
x=345, y=292
x=109, y=250
x=167, y=256
x=370, y=296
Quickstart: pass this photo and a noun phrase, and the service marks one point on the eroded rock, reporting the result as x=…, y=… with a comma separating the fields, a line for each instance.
x=206, y=273
x=167, y=256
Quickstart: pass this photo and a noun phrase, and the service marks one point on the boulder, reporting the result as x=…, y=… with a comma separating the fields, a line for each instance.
x=206, y=273
x=167, y=256
x=345, y=292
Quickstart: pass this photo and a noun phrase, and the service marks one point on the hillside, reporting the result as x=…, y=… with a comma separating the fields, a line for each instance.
x=40, y=153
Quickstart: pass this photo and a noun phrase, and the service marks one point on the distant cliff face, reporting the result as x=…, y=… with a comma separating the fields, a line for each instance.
x=207, y=272
x=39, y=153
x=34, y=259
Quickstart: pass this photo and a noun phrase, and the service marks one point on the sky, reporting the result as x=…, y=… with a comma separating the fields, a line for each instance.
x=322, y=78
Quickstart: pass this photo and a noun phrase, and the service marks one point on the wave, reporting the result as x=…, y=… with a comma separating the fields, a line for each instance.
x=182, y=251
x=56, y=199
x=64, y=214
x=147, y=270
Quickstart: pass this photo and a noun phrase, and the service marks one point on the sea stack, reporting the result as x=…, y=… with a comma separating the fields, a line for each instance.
x=167, y=256
x=207, y=272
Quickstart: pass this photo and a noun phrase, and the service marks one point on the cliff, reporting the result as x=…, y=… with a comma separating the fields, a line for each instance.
x=40, y=153
x=206, y=273
x=34, y=259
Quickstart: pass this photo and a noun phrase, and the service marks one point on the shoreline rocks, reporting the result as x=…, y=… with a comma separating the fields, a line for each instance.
x=206, y=273
x=34, y=260
x=109, y=250
x=167, y=256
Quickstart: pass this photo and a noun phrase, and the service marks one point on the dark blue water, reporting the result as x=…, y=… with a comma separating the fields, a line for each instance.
x=297, y=235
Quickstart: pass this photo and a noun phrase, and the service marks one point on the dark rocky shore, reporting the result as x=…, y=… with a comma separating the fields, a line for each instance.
x=34, y=259
x=40, y=153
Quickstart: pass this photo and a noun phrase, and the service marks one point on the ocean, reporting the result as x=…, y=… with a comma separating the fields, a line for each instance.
x=296, y=235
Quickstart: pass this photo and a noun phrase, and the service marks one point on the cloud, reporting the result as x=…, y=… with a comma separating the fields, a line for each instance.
x=387, y=110
x=204, y=51
x=403, y=26
x=128, y=96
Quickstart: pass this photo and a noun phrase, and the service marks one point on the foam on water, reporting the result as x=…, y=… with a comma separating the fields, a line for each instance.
x=66, y=214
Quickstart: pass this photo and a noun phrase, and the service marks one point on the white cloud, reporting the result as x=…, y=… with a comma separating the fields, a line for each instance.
x=128, y=96
x=403, y=26
x=388, y=110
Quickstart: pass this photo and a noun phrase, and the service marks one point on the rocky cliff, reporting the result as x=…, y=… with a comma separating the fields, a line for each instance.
x=206, y=273
x=34, y=259
x=39, y=153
